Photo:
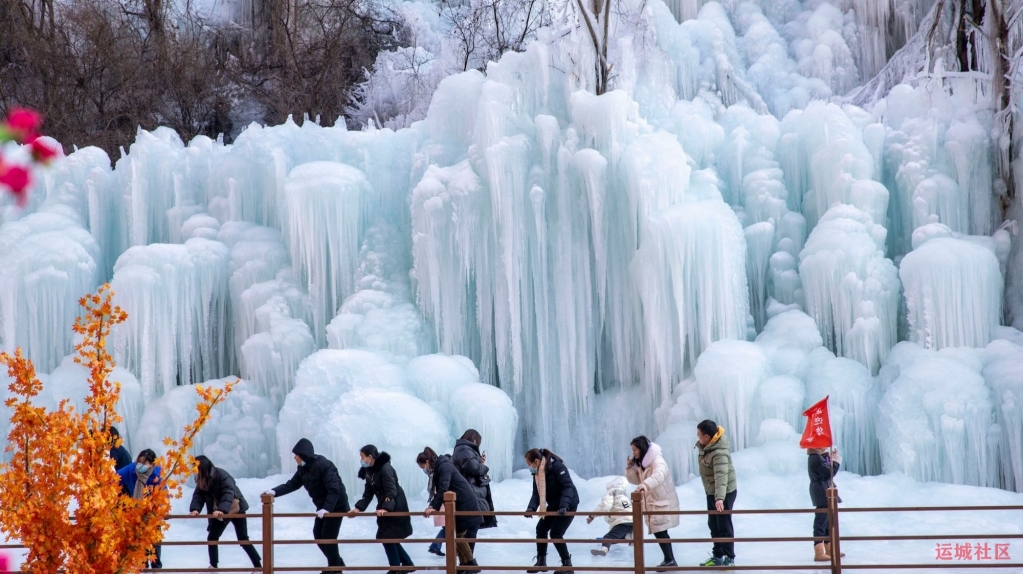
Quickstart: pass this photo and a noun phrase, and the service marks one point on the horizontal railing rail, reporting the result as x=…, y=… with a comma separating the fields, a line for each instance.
x=638, y=514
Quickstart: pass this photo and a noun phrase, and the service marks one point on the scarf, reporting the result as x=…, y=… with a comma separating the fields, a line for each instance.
x=541, y=484
x=140, y=482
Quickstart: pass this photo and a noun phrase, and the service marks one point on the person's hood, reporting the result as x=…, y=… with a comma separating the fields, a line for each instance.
x=651, y=454
x=718, y=442
x=440, y=459
x=617, y=485
x=468, y=443
x=304, y=449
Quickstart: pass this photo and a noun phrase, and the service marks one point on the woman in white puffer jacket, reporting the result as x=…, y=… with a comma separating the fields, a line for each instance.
x=648, y=469
x=615, y=500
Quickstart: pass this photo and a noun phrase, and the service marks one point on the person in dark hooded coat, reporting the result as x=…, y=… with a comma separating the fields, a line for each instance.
x=472, y=465
x=320, y=479
x=446, y=478
x=118, y=453
x=216, y=490
x=382, y=484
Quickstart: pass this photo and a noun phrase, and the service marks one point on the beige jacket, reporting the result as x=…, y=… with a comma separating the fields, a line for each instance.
x=660, y=495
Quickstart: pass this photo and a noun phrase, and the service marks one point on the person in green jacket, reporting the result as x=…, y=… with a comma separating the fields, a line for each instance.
x=718, y=476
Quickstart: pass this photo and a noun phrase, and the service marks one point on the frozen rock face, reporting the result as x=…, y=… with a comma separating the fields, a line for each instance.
x=953, y=293
x=240, y=437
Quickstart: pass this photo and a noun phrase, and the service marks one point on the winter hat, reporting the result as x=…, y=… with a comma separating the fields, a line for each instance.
x=304, y=449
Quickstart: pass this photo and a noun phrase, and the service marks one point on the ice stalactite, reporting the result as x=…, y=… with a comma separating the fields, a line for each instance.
x=939, y=414
x=240, y=437
x=176, y=297
x=325, y=223
x=692, y=281
x=47, y=262
x=851, y=289
x=380, y=315
x=953, y=292
x=728, y=385
x=1004, y=373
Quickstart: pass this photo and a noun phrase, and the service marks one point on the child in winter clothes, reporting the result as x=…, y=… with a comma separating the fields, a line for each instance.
x=615, y=500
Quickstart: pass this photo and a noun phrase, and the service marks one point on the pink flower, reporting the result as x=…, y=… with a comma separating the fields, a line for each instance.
x=24, y=120
x=42, y=153
x=17, y=179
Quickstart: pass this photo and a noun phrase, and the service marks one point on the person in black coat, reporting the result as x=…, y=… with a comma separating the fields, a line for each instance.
x=382, y=483
x=216, y=490
x=472, y=465
x=822, y=466
x=118, y=453
x=320, y=479
x=446, y=478
x=553, y=489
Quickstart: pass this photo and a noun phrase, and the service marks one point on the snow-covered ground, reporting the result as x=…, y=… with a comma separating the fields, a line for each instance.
x=769, y=476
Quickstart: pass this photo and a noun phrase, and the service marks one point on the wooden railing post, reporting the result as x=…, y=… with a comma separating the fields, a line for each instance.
x=268, y=533
x=836, y=550
x=449, y=533
x=639, y=561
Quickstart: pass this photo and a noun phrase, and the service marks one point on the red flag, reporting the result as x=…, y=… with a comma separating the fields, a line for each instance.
x=817, y=433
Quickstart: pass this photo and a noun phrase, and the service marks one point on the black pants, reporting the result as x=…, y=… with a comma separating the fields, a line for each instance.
x=553, y=527
x=396, y=555
x=616, y=534
x=327, y=529
x=721, y=526
x=821, y=526
x=669, y=554
x=241, y=529
x=156, y=562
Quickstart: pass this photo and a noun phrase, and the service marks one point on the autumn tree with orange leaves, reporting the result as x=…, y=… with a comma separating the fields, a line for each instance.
x=59, y=494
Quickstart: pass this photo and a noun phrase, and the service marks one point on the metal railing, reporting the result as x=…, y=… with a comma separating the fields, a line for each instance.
x=638, y=515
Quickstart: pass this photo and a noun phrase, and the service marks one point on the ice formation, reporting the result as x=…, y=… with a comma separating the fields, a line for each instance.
x=240, y=437
x=719, y=235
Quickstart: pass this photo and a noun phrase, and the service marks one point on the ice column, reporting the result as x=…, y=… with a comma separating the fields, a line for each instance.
x=851, y=289
x=953, y=293
x=325, y=224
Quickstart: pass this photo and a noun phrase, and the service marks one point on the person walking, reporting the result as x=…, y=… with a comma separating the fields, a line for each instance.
x=382, y=484
x=614, y=500
x=216, y=490
x=473, y=466
x=552, y=488
x=647, y=468
x=718, y=477
x=319, y=477
x=118, y=453
x=822, y=467
x=446, y=478
x=136, y=478
x=438, y=518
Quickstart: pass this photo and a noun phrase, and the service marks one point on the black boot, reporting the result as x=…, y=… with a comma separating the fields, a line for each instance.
x=539, y=565
x=473, y=567
x=565, y=561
